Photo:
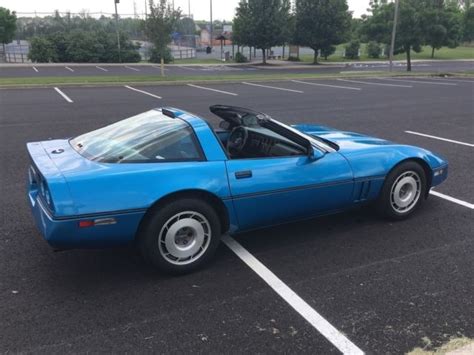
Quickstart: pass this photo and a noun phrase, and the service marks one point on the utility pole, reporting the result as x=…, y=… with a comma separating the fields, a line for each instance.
x=394, y=34
x=211, y=26
x=189, y=8
x=117, y=29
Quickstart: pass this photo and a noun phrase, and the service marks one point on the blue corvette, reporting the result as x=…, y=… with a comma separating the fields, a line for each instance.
x=167, y=181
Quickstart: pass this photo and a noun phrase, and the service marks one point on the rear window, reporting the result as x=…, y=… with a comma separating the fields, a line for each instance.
x=147, y=137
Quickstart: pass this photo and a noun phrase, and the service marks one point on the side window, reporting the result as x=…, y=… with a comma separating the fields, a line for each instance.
x=175, y=145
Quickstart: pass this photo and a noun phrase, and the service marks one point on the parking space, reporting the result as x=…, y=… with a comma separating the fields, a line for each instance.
x=56, y=70
x=129, y=69
x=384, y=286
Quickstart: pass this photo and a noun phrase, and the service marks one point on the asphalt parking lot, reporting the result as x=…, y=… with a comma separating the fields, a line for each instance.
x=386, y=286
x=74, y=70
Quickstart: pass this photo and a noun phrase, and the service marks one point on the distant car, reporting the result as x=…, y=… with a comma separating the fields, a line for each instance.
x=167, y=181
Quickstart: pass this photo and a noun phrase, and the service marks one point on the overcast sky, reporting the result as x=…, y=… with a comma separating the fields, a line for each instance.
x=222, y=9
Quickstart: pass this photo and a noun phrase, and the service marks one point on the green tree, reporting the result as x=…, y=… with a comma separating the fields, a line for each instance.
x=327, y=51
x=321, y=24
x=242, y=28
x=442, y=22
x=468, y=24
x=352, y=49
x=262, y=24
x=7, y=25
x=410, y=34
x=41, y=50
x=186, y=26
x=160, y=24
x=373, y=49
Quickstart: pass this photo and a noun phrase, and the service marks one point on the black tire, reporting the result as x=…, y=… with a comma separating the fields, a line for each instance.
x=153, y=233
x=387, y=205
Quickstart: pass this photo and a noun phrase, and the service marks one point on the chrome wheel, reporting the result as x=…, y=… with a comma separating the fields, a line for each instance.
x=184, y=237
x=405, y=192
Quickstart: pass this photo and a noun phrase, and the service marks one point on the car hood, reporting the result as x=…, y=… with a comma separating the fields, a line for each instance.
x=347, y=141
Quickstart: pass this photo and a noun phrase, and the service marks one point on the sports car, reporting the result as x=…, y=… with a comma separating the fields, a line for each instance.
x=168, y=182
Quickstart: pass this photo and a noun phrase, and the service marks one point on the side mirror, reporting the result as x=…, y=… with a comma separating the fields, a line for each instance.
x=315, y=154
x=224, y=125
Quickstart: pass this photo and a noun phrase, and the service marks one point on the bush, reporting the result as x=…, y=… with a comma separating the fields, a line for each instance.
x=240, y=58
x=155, y=56
x=373, y=49
x=352, y=49
x=41, y=50
x=326, y=52
x=83, y=47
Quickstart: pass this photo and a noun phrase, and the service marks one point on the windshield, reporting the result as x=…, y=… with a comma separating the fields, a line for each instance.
x=147, y=137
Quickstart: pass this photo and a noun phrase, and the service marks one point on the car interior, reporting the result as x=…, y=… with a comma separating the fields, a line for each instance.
x=248, y=134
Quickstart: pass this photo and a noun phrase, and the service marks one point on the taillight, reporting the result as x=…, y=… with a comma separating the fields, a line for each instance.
x=32, y=176
x=46, y=194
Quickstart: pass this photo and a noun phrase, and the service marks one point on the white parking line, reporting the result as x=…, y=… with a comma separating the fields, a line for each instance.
x=34, y=68
x=440, y=138
x=71, y=70
x=221, y=91
x=273, y=87
x=126, y=66
x=103, y=69
x=143, y=92
x=371, y=83
x=453, y=80
x=65, y=97
x=417, y=81
x=452, y=199
x=299, y=305
x=330, y=86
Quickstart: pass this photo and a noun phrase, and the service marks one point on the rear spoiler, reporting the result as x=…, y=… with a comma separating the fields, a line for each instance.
x=45, y=170
x=42, y=162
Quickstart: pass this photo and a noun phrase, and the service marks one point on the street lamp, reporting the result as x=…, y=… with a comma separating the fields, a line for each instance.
x=210, y=45
x=394, y=33
x=117, y=30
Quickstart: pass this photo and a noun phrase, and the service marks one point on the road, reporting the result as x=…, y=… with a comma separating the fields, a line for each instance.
x=71, y=70
x=386, y=286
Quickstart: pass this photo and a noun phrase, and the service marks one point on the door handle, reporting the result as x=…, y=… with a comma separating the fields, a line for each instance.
x=244, y=174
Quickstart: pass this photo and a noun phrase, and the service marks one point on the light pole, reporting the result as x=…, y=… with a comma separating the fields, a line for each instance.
x=117, y=29
x=211, y=25
x=394, y=33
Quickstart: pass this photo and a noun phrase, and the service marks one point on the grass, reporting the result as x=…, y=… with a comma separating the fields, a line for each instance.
x=155, y=79
x=444, y=53
x=198, y=61
x=453, y=344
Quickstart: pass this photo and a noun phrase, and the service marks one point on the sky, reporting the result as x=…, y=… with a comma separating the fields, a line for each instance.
x=222, y=9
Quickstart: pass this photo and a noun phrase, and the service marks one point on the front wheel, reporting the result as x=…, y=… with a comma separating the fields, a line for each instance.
x=180, y=236
x=404, y=191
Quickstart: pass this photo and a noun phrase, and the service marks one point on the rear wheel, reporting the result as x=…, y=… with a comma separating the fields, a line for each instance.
x=404, y=191
x=180, y=236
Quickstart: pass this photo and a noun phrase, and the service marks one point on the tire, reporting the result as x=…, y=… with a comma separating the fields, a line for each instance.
x=403, y=192
x=180, y=236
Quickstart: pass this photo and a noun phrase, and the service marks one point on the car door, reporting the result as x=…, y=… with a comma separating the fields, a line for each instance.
x=267, y=191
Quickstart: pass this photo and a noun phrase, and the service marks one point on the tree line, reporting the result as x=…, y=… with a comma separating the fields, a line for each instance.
x=322, y=24
x=318, y=24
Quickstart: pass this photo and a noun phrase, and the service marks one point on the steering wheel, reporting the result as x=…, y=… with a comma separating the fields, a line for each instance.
x=237, y=140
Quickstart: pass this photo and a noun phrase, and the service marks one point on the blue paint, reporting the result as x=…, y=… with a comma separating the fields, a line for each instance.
x=276, y=190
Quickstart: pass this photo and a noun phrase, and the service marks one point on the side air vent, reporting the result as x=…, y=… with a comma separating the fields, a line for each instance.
x=364, y=190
